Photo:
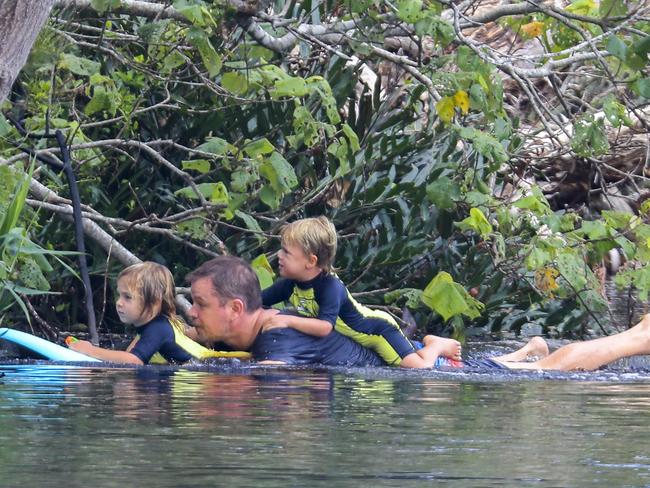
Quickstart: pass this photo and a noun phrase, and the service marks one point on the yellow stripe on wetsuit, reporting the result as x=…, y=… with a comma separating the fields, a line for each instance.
x=193, y=348
x=304, y=302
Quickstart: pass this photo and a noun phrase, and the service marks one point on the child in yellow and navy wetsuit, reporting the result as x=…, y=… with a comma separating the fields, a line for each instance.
x=323, y=302
x=146, y=300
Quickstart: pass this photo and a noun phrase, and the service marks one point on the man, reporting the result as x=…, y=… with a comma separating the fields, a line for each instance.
x=228, y=307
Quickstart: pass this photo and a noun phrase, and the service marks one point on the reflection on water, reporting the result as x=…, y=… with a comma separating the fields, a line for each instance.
x=67, y=426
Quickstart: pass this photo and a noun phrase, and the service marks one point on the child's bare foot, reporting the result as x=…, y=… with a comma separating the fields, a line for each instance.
x=449, y=348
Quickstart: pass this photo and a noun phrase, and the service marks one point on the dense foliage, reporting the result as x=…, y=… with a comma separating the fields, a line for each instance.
x=417, y=133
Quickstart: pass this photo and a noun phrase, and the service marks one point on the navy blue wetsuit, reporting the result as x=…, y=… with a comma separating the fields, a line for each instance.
x=293, y=347
x=326, y=298
x=158, y=336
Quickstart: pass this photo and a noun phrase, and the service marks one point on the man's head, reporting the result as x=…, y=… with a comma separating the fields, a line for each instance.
x=224, y=290
x=307, y=243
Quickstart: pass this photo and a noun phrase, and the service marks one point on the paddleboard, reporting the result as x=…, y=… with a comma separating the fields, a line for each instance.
x=47, y=349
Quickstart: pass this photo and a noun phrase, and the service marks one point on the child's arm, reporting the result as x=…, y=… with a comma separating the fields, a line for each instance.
x=278, y=292
x=306, y=325
x=109, y=355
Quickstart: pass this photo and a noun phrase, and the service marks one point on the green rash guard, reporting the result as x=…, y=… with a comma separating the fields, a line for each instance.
x=326, y=298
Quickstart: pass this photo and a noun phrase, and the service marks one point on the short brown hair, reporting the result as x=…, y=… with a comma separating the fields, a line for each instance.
x=231, y=277
x=315, y=235
x=154, y=284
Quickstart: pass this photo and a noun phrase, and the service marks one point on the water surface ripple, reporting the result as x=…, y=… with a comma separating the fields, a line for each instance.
x=252, y=426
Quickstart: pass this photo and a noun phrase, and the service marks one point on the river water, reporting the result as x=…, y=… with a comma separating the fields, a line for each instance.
x=252, y=426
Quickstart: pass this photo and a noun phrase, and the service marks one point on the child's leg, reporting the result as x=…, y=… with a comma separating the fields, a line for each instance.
x=434, y=347
x=386, y=338
x=450, y=348
x=536, y=347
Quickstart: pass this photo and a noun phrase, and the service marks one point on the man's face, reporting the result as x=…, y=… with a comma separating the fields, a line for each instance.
x=208, y=315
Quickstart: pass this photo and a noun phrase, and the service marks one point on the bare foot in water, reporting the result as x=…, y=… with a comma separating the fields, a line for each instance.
x=449, y=348
x=535, y=348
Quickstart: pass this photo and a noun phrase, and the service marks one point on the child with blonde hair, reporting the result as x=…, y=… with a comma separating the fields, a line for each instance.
x=145, y=298
x=311, y=287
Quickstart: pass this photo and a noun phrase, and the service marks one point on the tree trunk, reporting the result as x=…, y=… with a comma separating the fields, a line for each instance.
x=20, y=23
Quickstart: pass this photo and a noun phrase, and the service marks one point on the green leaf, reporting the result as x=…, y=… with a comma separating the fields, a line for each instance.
x=191, y=11
x=339, y=149
x=234, y=82
x=211, y=59
x=16, y=205
x=537, y=258
x=443, y=192
x=612, y=8
x=617, y=47
x=642, y=87
x=476, y=198
x=535, y=203
x=264, y=271
x=242, y=178
x=476, y=222
x=219, y=194
x=259, y=147
x=172, y=60
x=486, y=145
x=413, y=297
x=102, y=100
x=590, y=138
x=573, y=269
x=215, y=192
x=449, y=299
x=639, y=278
x=432, y=25
x=593, y=229
x=270, y=197
x=409, y=10
x=195, y=228
x=642, y=47
x=290, y=87
x=251, y=224
x=279, y=172
x=329, y=103
x=79, y=66
x=215, y=145
x=352, y=137
x=200, y=165
x=615, y=112
x=361, y=6
x=5, y=127
x=617, y=220
x=102, y=6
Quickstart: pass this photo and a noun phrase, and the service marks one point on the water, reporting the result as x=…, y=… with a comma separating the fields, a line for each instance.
x=163, y=427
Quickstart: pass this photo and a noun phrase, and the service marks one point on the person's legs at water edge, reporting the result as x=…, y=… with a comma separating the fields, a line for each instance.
x=591, y=355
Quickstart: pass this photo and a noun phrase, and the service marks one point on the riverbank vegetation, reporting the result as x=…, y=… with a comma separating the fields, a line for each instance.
x=483, y=162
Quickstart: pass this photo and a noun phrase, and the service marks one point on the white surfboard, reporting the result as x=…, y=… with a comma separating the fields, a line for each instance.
x=47, y=349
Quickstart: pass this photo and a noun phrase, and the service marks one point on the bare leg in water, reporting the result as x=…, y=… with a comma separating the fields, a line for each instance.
x=590, y=355
x=536, y=347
